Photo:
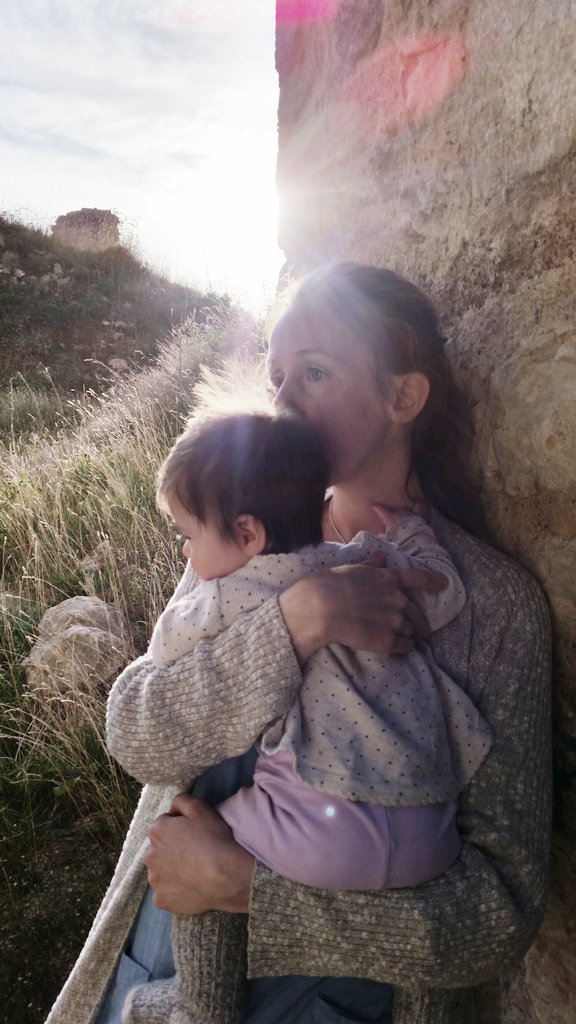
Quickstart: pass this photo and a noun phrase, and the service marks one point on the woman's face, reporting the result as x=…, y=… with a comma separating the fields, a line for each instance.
x=328, y=377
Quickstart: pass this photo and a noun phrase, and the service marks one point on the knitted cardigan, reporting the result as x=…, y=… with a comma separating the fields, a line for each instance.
x=416, y=736
x=468, y=927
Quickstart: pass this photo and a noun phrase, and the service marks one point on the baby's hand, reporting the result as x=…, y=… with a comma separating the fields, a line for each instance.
x=391, y=516
x=388, y=517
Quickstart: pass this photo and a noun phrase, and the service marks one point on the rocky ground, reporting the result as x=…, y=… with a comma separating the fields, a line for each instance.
x=46, y=908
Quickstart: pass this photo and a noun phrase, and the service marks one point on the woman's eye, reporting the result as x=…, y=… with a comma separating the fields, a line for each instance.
x=315, y=373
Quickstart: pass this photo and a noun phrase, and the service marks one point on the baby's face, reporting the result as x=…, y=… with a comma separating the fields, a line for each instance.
x=210, y=554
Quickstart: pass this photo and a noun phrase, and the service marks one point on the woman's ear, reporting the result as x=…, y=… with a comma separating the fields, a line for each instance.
x=250, y=535
x=409, y=396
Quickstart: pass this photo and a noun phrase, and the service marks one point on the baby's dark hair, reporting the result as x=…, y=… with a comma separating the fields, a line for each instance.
x=271, y=467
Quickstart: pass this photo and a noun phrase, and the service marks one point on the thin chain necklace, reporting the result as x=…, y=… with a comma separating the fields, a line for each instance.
x=333, y=524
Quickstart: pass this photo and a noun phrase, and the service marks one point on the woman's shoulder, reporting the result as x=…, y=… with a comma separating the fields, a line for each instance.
x=487, y=572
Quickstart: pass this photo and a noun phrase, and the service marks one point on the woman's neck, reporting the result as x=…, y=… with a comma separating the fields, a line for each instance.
x=351, y=507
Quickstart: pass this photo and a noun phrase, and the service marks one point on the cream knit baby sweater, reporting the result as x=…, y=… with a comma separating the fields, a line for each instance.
x=466, y=928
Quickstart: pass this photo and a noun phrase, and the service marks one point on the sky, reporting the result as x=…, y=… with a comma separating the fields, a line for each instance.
x=163, y=111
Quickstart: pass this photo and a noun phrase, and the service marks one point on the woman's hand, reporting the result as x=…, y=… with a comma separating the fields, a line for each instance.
x=194, y=864
x=362, y=606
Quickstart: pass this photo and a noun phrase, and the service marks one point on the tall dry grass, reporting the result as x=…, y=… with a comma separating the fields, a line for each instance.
x=78, y=516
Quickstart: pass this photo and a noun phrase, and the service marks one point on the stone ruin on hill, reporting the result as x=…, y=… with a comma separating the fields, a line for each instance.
x=88, y=229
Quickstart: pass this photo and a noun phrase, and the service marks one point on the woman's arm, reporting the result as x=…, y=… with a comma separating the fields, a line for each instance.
x=166, y=725
x=474, y=922
x=479, y=918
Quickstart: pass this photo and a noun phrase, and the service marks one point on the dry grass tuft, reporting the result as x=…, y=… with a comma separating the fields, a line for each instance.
x=78, y=517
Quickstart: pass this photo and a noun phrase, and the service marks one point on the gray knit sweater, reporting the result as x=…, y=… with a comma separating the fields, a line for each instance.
x=415, y=737
x=466, y=928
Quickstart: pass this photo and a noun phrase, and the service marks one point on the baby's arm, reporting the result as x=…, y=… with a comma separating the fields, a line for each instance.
x=411, y=544
x=187, y=618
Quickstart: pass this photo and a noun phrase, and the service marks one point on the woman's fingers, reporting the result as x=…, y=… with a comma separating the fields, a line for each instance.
x=377, y=560
x=193, y=863
x=419, y=579
x=413, y=621
x=366, y=606
x=200, y=813
x=371, y=607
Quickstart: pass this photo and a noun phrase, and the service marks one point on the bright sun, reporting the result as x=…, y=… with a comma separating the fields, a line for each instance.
x=240, y=213
x=229, y=212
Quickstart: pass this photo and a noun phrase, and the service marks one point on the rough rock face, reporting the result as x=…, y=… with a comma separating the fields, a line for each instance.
x=87, y=229
x=82, y=645
x=437, y=137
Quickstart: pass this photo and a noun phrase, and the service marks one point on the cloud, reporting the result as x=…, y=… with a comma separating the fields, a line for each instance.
x=137, y=105
x=48, y=142
x=216, y=17
x=108, y=71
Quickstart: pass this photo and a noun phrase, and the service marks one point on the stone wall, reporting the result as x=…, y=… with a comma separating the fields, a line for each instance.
x=437, y=137
x=88, y=229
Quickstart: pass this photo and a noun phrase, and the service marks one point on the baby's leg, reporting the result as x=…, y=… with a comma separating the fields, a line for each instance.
x=210, y=957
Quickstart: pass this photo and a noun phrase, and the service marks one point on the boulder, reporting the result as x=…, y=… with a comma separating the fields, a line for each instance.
x=82, y=645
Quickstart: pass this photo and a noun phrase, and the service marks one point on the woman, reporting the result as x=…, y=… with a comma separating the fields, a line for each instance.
x=358, y=354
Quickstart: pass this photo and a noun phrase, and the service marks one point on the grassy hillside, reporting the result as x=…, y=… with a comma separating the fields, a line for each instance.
x=78, y=516
x=67, y=317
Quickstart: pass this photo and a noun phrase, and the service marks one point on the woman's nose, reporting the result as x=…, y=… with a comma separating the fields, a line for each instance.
x=284, y=398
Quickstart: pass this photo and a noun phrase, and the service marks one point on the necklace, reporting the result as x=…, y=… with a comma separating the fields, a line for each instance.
x=333, y=524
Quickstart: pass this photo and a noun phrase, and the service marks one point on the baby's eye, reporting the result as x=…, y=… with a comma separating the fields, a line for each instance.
x=275, y=383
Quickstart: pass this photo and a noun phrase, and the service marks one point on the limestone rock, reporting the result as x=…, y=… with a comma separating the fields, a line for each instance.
x=437, y=138
x=118, y=365
x=97, y=559
x=10, y=259
x=82, y=645
x=88, y=229
x=82, y=611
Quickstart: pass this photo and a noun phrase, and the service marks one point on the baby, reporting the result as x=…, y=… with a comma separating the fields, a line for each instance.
x=355, y=786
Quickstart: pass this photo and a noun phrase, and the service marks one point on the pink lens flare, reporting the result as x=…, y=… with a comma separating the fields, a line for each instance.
x=293, y=12
x=400, y=84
